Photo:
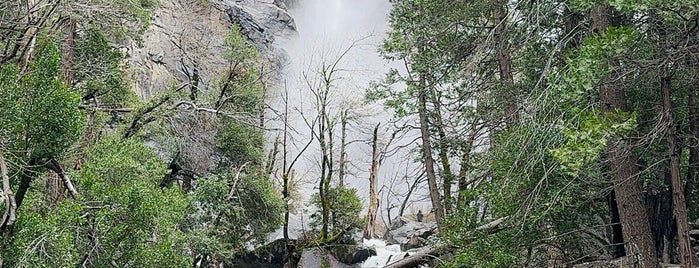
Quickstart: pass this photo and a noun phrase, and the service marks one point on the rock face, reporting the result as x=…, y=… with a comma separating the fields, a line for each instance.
x=185, y=41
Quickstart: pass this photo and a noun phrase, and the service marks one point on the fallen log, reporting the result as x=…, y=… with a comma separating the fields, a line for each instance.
x=415, y=259
x=428, y=254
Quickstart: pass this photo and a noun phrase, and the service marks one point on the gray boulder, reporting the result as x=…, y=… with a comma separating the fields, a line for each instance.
x=420, y=229
x=319, y=258
x=352, y=254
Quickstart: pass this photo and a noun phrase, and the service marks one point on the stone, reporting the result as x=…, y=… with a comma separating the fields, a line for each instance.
x=352, y=254
x=422, y=229
x=186, y=35
x=319, y=258
x=267, y=256
x=415, y=241
x=398, y=222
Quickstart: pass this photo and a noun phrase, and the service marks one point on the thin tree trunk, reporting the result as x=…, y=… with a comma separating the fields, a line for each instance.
x=678, y=199
x=33, y=20
x=343, y=149
x=504, y=62
x=464, y=165
x=427, y=154
x=9, y=215
x=411, y=189
x=693, y=168
x=370, y=227
x=443, y=152
x=632, y=213
x=323, y=189
x=285, y=168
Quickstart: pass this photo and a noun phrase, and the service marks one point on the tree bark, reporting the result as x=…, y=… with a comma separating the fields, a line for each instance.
x=68, y=50
x=632, y=213
x=427, y=154
x=33, y=21
x=693, y=169
x=443, y=152
x=464, y=165
x=343, y=148
x=678, y=198
x=9, y=215
x=370, y=227
x=504, y=62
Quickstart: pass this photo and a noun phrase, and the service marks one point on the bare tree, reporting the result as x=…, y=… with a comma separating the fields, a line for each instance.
x=370, y=227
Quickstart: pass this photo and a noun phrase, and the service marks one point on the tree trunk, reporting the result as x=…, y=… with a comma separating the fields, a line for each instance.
x=443, y=152
x=10, y=214
x=617, y=234
x=678, y=199
x=693, y=168
x=632, y=213
x=343, y=149
x=427, y=154
x=68, y=50
x=370, y=228
x=33, y=21
x=464, y=165
x=504, y=62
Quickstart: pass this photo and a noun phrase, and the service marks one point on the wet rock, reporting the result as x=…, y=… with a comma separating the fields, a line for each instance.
x=398, y=222
x=267, y=256
x=352, y=254
x=413, y=242
x=420, y=229
x=319, y=258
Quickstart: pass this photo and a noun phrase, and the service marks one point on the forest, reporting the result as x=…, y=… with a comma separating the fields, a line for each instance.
x=142, y=133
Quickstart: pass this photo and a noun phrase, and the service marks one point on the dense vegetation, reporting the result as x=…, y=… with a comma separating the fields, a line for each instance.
x=551, y=133
x=94, y=177
x=569, y=128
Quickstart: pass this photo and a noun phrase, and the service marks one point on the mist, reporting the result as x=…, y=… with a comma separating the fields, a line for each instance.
x=326, y=29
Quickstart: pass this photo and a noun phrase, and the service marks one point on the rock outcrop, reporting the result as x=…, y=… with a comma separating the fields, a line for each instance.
x=185, y=41
x=410, y=234
x=319, y=258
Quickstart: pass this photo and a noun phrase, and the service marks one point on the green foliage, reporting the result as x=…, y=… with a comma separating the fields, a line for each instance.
x=39, y=113
x=586, y=140
x=122, y=215
x=52, y=231
x=241, y=144
x=345, y=209
x=98, y=71
x=136, y=221
x=587, y=65
x=237, y=47
x=224, y=221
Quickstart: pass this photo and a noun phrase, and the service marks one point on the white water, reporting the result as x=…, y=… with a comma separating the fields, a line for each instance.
x=384, y=253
